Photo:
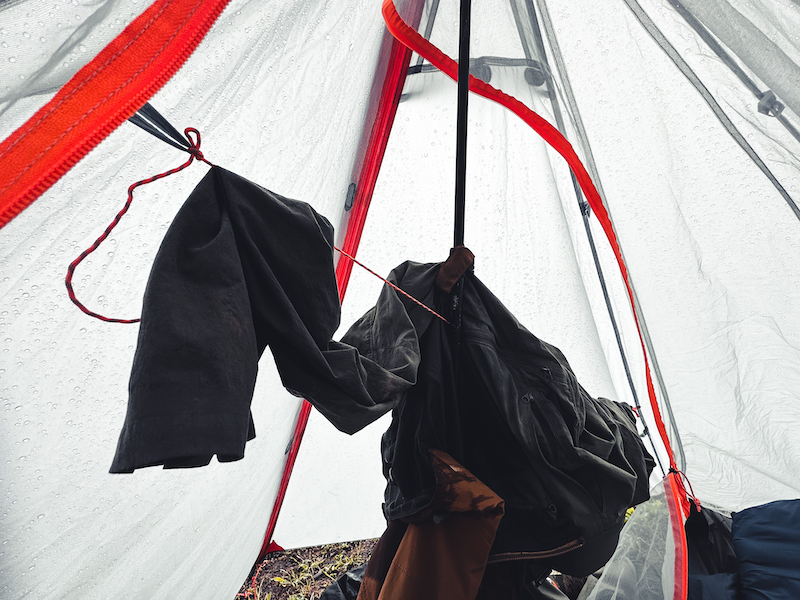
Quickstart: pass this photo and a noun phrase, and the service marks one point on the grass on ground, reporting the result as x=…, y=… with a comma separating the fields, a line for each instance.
x=304, y=573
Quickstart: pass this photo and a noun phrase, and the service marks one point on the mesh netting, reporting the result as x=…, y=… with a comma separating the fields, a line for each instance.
x=642, y=568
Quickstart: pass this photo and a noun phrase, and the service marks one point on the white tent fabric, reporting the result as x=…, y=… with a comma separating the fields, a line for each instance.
x=65, y=375
x=43, y=45
x=279, y=91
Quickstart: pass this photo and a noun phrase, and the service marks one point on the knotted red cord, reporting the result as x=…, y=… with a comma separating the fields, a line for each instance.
x=681, y=476
x=194, y=151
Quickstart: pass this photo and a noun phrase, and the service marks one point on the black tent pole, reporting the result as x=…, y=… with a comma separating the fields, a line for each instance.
x=461, y=174
x=461, y=131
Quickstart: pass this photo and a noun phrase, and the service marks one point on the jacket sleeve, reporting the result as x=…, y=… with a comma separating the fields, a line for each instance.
x=240, y=269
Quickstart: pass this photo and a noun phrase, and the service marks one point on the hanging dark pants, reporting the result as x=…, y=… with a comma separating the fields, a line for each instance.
x=426, y=558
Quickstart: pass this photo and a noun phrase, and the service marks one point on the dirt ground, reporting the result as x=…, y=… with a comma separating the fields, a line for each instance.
x=303, y=574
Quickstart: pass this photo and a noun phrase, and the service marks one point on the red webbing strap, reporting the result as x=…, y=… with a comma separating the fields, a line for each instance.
x=552, y=136
x=396, y=71
x=103, y=94
x=675, y=494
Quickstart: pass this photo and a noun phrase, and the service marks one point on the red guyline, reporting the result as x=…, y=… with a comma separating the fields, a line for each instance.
x=194, y=151
x=390, y=284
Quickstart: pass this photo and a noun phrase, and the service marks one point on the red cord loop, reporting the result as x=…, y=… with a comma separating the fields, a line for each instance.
x=194, y=147
x=194, y=153
x=193, y=135
x=681, y=478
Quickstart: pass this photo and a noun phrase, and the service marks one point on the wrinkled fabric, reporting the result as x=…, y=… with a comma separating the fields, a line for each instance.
x=709, y=542
x=507, y=406
x=767, y=543
x=441, y=552
x=242, y=268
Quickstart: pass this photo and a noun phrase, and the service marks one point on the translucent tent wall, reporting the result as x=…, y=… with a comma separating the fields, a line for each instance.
x=281, y=92
x=71, y=529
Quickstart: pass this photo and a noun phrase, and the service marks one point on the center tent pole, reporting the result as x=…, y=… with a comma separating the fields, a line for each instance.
x=461, y=131
x=456, y=293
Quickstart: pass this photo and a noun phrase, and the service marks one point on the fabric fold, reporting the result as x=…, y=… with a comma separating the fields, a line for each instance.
x=242, y=268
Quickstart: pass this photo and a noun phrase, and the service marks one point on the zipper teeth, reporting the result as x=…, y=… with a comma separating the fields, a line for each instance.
x=511, y=556
x=148, y=90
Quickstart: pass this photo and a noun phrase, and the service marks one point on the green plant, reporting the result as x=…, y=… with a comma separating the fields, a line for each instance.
x=304, y=573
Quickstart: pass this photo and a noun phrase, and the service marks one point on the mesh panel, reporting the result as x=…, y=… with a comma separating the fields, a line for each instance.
x=642, y=568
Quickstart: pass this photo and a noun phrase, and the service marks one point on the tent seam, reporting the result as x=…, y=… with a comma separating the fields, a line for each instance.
x=89, y=126
x=650, y=27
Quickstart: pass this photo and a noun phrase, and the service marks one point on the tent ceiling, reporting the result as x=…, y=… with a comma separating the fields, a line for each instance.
x=279, y=91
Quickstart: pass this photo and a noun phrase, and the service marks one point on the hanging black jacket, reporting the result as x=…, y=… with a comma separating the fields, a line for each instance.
x=512, y=412
x=242, y=268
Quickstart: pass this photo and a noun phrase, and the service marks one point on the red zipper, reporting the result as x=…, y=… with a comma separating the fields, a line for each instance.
x=101, y=96
x=676, y=496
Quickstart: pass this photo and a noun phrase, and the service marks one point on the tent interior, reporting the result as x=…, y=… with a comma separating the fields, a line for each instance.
x=685, y=115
